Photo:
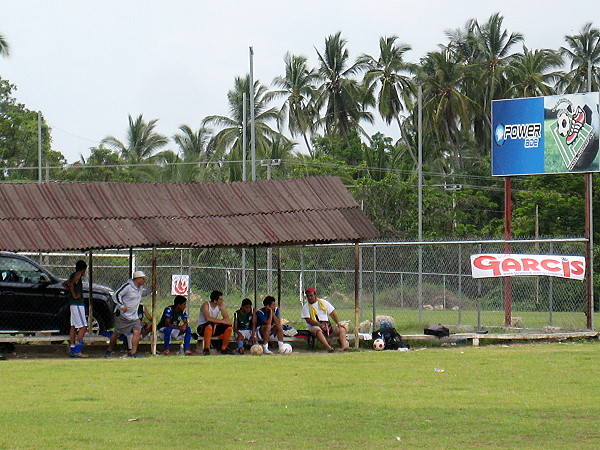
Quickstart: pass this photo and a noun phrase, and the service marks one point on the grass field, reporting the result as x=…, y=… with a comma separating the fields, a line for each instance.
x=520, y=396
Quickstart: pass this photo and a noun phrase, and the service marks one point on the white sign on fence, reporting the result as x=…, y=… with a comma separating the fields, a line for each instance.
x=507, y=265
x=180, y=284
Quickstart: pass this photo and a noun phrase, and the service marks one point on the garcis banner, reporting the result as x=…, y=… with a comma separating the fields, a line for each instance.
x=507, y=265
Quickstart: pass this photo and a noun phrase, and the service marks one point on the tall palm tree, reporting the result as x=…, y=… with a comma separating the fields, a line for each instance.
x=446, y=107
x=339, y=92
x=194, y=148
x=530, y=74
x=230, y=138
x=495, y=45
x=142, y=141
x=584, y=52
x=484, y=49
x=298, y=88
x=4, y=47
x=386, y=71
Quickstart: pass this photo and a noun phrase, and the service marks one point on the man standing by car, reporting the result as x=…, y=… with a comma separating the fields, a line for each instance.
x=77, y=308
x=127, y=321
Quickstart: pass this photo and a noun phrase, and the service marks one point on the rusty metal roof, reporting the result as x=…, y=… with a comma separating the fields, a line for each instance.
x=82, y=216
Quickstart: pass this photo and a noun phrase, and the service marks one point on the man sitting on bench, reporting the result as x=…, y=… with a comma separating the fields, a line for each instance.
x=268, y=323
x=210, y=325
x=174, y=325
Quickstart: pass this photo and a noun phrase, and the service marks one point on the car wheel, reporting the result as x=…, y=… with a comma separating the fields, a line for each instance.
x=98, y=325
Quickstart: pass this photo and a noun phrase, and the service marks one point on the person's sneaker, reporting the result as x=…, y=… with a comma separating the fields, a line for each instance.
x=107, y=354
x=189, y=353
x=167, y=352
x=266, y=351
x=206, y=352
x=136, y=355
x=330, y=350
x=226, y=352
x=241, y=350
x=78, y=355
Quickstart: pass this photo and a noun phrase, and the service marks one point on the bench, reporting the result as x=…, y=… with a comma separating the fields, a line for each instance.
x=475, y=338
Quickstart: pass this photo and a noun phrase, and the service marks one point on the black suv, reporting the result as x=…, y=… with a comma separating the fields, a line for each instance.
x=33, y=299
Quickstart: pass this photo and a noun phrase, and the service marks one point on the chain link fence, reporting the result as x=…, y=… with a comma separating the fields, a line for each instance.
x=388, y=281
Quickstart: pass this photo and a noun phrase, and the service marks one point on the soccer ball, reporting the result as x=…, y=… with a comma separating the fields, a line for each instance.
x=285, y=349
x=563, y=122
x=256, y=349
x=379, y=344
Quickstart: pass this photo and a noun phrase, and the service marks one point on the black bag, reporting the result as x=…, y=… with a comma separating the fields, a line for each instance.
x=437, y=330
x=393, y=340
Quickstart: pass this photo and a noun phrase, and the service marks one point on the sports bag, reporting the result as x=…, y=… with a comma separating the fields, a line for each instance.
x=437, y=330
x=393, y=339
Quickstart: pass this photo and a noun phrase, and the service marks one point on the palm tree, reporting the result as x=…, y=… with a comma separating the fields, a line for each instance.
x=446, y=108
x=495, y=45
x=298, y=88
x=142, y=141
x=342, y=96
x=230, y=138
x=194, y=148
x=386, y=71
x=4, y=47
x=530, y=74
x=584, y=52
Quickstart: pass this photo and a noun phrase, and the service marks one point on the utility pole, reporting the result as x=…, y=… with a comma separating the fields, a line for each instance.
x=268, y=163
x=40, y=147
x=252, y=128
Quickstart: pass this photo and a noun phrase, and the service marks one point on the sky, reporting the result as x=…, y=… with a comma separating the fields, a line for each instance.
x=87, y=65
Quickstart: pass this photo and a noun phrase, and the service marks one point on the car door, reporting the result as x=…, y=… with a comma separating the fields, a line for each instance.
x=22, y=295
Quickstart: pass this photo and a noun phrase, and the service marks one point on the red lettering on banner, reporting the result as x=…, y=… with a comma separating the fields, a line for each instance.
x=546, y=264
x=577, y=267
x=566, y=269
x=529, y=264
x=487, y=263
x=510, y=264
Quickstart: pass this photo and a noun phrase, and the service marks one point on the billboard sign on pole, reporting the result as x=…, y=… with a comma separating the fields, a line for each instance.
x=540, y=135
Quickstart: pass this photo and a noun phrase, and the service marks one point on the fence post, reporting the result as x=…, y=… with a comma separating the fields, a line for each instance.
x=459, y=284
x=356, y=293
x=374, y=282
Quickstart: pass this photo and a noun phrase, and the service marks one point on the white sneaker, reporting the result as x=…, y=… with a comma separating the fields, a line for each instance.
x=266, y=350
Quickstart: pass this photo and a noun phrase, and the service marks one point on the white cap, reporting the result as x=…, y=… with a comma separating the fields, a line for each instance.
x=138, y=274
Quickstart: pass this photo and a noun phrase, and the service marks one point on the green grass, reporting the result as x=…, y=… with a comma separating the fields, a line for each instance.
x=521, y=396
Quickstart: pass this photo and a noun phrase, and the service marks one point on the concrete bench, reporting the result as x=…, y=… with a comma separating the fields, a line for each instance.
x=475, y=338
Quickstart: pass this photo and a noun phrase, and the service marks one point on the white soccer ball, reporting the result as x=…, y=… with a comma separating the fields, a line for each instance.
x=256, y=349
x=285, y=349
x=563, y=122
x=379, y=344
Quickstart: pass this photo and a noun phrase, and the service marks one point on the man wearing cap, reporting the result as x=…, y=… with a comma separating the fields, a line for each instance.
x=127, y=321
x=316, y=312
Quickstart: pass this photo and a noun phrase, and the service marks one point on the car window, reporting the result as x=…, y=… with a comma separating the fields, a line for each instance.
x=14, y=270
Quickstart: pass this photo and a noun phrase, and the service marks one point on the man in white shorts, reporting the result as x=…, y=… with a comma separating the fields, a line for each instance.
x=127, y=321
x=316, y=313
x=77, y=308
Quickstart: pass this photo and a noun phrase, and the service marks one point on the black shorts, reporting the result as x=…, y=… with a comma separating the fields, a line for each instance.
x=218, y=328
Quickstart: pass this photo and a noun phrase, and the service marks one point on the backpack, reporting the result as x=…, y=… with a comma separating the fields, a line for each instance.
x=393, y=340
x=437, y=330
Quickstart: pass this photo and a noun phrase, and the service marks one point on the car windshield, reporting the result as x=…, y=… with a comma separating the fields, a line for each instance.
x=15, y=270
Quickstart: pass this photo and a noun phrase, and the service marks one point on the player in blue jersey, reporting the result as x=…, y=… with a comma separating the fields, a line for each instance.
x=268, y=323
x=174, y=325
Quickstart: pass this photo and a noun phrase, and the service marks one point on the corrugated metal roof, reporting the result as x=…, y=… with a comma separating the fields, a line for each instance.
x=80, y=216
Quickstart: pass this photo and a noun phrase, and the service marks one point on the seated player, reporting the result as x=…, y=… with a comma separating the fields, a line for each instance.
x=174, y=325
x=209, y=323
x=242, y=326
x=267, y=323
